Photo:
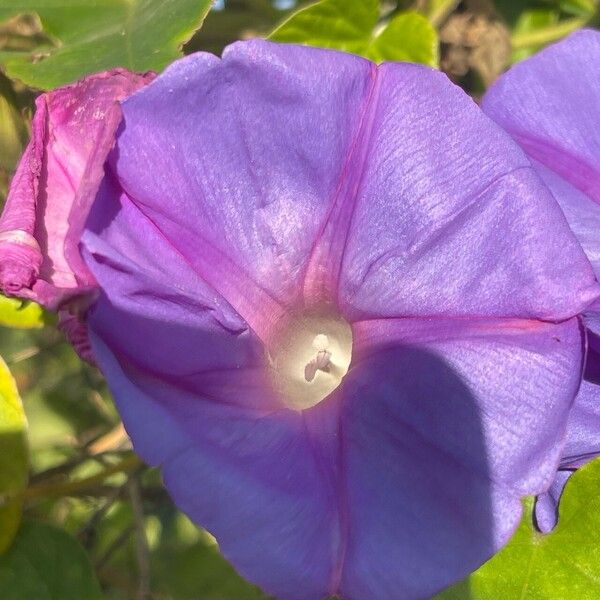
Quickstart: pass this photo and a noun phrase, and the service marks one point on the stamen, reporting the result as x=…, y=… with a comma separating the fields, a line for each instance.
x=319, y=363
x=309, y=357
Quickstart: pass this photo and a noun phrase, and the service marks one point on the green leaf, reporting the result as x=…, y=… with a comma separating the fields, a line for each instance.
x=530, y=37
x=13, y=456
x=353, y=26
x=186, y=563
x=46, y=563
x=564, y=564
x=90, y=36
x=529, y=22
x=21, y=314
x=579, y=8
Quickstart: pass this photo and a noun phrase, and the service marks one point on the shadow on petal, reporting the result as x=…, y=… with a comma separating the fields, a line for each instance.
x=419, y=510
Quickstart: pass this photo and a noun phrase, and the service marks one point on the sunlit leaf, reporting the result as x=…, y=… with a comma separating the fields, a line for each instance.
x=21, y=314
x=13, y=456
x=531, y=21
x=46, y=563
x=563, y=564
x=87, y=37
x=353, y=26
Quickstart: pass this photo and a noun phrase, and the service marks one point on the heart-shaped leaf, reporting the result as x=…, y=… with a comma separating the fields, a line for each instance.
x=86, y=37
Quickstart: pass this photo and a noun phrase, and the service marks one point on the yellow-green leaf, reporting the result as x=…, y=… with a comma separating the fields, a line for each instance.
x=561, y=565
x=354, y=26
x=13, y=456
x=21, y=314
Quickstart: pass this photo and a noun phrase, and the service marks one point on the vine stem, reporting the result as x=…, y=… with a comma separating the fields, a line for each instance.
x=66, y=488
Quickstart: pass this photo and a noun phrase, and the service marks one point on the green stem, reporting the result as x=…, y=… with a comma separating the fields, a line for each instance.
x=66, y=488
x=547, y=34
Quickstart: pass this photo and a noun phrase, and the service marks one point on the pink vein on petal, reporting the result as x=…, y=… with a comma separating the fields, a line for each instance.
x=325, y=262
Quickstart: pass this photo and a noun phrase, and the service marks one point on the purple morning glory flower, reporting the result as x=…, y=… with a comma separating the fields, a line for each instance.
x=550, y=104
x=338, y=308
x=51, y=193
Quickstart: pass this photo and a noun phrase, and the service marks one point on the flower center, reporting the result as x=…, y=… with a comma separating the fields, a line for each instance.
x=309, y=357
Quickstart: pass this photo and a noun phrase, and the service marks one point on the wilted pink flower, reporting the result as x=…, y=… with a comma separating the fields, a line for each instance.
x=73, y=130
x=338, y=308
x=550, y=104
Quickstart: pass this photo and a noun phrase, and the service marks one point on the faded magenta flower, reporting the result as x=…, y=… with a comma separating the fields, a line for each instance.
x=550, y=104
x=73, y=130
x=338, y=308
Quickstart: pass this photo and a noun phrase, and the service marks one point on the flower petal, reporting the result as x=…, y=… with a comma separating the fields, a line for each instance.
x=55, y=184
x=450, y=219
x=444, y=429
x=581, y=211
x=188, y=378
x=546, y=505
x=250, y=151
x=177, y=327
x=250, y=479
x=583, y=429
x=549, y=104
x=582, y=445
x=213, y=218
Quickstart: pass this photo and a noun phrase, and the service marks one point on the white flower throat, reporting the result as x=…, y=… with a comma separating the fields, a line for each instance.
x=309, y=358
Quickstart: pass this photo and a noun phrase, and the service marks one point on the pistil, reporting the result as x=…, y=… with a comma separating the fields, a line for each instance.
x=309, y=357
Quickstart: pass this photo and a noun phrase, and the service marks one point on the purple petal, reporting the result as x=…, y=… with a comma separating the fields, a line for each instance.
x=55, y=185
x=549, y=104
x=546, y=505
x=302, y=198
x=249, y=478
x=581, y=211
x=234, y=195
x=250, y=151
x=582, y=444
x=449, y=218
x=189, y=382
x=441, y=438
x=177, y=327
x=583, y=429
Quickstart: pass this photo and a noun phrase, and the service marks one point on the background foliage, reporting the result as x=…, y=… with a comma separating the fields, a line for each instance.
x=80, y=517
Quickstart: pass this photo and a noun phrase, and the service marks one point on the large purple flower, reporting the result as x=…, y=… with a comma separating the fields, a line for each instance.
x=338, y=308
x=550, y=104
